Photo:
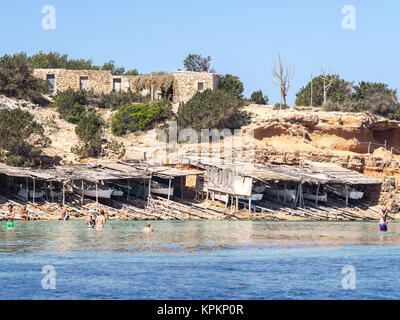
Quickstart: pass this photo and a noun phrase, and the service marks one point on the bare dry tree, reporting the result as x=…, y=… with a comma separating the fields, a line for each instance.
x=327, y=79
x=281, y=77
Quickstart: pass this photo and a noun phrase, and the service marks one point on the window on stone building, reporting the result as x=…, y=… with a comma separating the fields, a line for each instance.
x=51, y=78
x=117, y=84
x=84, y=83
x=200, y=86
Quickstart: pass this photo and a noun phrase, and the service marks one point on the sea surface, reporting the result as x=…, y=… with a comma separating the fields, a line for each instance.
x=200, y=260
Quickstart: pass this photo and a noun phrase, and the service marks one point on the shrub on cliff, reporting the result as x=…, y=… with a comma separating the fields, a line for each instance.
x=339, y=91
x=89, y=130
x=257, y=97
x=233, y=85
x=211, y=109
x=20, y=135
x=17, y=80
x=115, y=99
x=69, y=104
x=132, y=118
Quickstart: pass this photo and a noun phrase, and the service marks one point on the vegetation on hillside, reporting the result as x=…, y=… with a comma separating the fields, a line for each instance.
x=20, y=135
x=211, y=109
x=370, y=97
x=195, y=62
x=258, y=97
x=56, y=60
x=89, y=130
x=17, y=80
x=132, y=118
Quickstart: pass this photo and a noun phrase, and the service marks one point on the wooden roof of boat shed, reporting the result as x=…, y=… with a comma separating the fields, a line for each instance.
x=310, y=172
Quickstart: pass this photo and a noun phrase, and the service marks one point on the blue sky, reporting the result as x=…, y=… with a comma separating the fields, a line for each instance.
x=242, y=37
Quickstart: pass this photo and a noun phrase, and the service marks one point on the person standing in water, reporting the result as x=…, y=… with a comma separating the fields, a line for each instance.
x=100, y=220
x=90, y=221
x=147, y=228
x=65, y=214
x=24, y=213
x=10, y=217
x=383, y=218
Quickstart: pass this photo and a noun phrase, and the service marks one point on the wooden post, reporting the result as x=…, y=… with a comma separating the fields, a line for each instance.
x=250, y=204
x=182, y=189
x=27, y=189
x=237, y=203
x=316, y=199
x=63, y=191
x=347, y=196
x=83, y=194
x=391, y=153
x=51, y=190
x=45, y=190
x=127, y=194
x=149, y=193
x=169, y=188
x=369, y=147
x=284, y=193
x=97, y=195
x=34, y=190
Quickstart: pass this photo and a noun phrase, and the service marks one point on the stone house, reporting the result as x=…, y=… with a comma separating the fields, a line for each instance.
x=179, y=86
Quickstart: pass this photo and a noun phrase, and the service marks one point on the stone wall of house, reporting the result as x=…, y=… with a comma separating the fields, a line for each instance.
x=98, y=80
x=186, y=84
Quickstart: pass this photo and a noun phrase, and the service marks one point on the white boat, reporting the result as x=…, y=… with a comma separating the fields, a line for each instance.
x=309, y=195
x=55, y=194
x=91, y=192
x=288, y=195
x=254, y=197
x=117, y=193
x=353, y=194
x=23, y=194
x=259, y=189
x=159, y=188
x=224, y=197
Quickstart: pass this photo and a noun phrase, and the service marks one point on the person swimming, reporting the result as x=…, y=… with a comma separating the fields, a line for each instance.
x=383, y=218
x=90, y=221
x=147, y=228
x=100, y=220
x=10, y=217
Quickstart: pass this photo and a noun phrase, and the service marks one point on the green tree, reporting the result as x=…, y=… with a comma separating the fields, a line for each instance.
x=195, y=62
x=258, y=98
x=20, y=135
x=337, y=93
x=132, y=72
x=69, y=103
x=212, y=109
x=233, y=85
x=56, y=60
x=89, y=130
x=113, y=68
x=375, y=98
x=132, y=118
x=17, y=80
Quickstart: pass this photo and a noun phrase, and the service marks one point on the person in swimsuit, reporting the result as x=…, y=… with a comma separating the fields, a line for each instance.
x=10, y=217
x=65, y=214
x=100, y=220
x=147, y=228
x=90, y=221
x=383, y=216
x=24, y=213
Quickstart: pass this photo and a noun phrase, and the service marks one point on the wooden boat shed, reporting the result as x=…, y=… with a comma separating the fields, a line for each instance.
x=94, y=173
x=237, y=179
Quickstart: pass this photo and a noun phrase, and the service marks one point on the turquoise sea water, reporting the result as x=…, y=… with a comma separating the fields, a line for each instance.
x=200, y=260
